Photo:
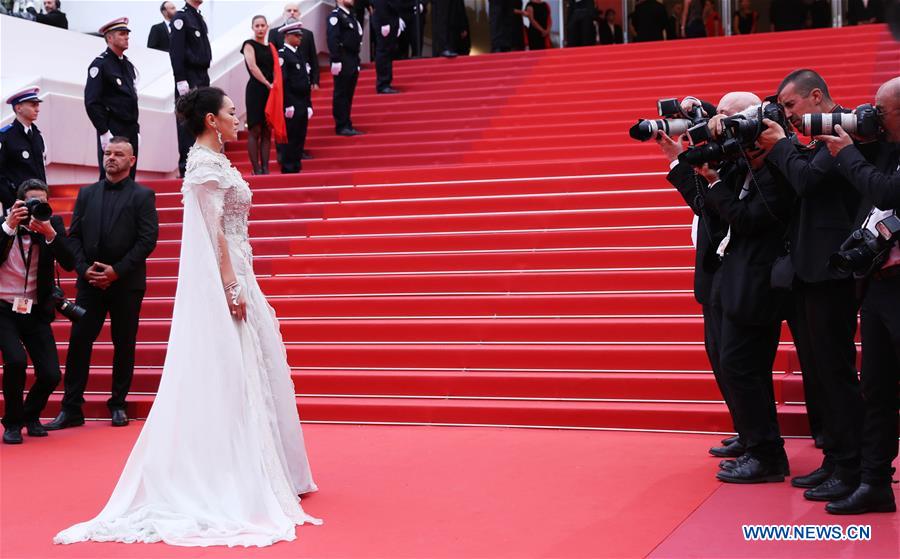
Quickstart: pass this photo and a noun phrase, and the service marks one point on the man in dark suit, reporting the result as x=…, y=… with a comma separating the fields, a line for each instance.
x=110, y=96
x=388, y=21
x=580, y=30
x=344, y=38
x=191, y=55
x=29, y=249
x=307, y=42
x=610, y=31
x=297, y=106
x=159, y=33
x=824, y=309
x=649, y=21
x=21, y=145
x=114, y=229
x=860, y=12
x=52, y=15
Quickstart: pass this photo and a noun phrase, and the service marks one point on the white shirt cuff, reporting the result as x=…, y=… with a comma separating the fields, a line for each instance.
x=7, y=230
x=714, y=183
x=672, y=164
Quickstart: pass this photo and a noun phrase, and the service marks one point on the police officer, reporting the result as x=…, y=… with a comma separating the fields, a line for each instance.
x=388, y=25
x=191, y=55
x=110, y=96
x=21, y=145
x=297, y=106
x=344, y=37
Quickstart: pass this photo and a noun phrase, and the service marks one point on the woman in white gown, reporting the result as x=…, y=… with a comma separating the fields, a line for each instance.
x=221, y=458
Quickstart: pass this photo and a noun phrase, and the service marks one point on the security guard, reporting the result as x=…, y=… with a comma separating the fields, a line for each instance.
x=297, y=106
x=344, y=38
x=21, y=145
x=110, y=96
x=191, y=55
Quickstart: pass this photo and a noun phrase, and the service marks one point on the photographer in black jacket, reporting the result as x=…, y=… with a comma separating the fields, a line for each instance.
x=823, y=311
x=878, y=180
x=29, y=249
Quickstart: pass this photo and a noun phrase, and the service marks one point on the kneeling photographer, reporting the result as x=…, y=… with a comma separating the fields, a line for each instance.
x=873, y=254
x=823, y=306
x=33, y=240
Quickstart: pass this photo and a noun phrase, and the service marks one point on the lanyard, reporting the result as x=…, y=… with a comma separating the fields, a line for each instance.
x=26, y=260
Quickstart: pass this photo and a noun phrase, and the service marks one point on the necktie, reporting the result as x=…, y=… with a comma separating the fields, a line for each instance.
x=30, y=134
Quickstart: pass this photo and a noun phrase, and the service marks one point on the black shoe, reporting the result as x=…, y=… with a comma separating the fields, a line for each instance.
x=306, y=155
x=119, y=419
x=63, y=421
x=12, y=435
x=732, y=464
x=819, y=442
x=729, y=440
x=449, y=54
x=733, y=450
x=813, y=479
x=866, y=498
x=832, y=489
x=35, y=429
x=388, y=90
x=349, y=132
x=753, y=470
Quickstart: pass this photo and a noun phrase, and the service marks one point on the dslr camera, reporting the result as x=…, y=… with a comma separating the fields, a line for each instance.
x=864, y=252
x=864, y=122
x=66, y=307
x=740, y=134
x=38, y=209
x=673, y=121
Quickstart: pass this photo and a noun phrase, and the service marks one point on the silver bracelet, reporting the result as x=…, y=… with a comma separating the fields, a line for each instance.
x=235, y=292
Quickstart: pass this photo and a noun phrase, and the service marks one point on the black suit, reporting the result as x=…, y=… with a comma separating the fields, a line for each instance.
x=21, y=158
x=55, y=18
x=751, y=309
x=387, y=12
x=858, y=12
x=115, y=224
x=823, y=301
x=879, y=319
x=307, y=51
x=610, y=36
x=32, y=330
x=296, y=95
x=159, y=37
x=191, y=55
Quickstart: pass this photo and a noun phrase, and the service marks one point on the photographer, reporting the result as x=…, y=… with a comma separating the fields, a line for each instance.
x=707, y=233
x=29, y=248
x=879, y=182
x=823, y=300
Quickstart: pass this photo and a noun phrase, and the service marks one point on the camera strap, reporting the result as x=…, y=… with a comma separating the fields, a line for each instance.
x=26, y=259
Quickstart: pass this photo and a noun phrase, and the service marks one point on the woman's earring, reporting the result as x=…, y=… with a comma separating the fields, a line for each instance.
x=219, y=137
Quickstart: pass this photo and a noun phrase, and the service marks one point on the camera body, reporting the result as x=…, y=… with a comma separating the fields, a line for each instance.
x=38, y=209
x=66, y=307
x=673, y=121
x=740, y=133
x=864, y=252
x=864, y=122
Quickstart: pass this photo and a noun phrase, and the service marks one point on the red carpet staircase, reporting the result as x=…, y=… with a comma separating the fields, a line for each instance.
x=496, y=250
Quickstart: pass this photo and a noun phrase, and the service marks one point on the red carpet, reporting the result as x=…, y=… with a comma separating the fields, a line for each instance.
x=495, y=250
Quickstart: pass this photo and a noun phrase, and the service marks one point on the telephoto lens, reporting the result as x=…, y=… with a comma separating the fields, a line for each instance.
x=66, y=307
x=864, y=123
x=648, y=129
x=38, y=209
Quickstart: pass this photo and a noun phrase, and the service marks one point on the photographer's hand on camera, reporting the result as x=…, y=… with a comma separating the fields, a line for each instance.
x=44, y=228
x=773, y=134
x=716, y=126
x=17, y=214
x=670, y=148
x=836, y=143
x=711, y=175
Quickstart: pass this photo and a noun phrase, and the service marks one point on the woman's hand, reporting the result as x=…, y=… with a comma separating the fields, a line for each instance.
x=239, y=310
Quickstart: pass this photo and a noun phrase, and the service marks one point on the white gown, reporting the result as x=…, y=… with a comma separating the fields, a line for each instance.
x=221, y=458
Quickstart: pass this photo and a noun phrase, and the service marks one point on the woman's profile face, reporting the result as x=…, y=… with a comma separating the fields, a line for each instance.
x=226, y=122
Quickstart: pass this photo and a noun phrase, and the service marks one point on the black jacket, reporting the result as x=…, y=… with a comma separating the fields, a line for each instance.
x=824, y=213
x=55, y=18
x=758, y=224
x=296, y=79
x=109, y=93
x=47, y=255
x=307, y=49
x=20, y=158
x=857, y=11
x=159, y=37
x=344, y=37
x=129, y=234
x=610, y=36
x=189, y=48
x=710, y=228
x=878, y=181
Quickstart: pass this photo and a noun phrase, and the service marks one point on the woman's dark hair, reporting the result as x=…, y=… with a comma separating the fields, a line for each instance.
x=193, y=107
x=256, y=17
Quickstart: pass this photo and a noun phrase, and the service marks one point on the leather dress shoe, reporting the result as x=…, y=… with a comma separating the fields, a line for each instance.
x=35, y=429
x=388, y=90
x=819, y=442
x=449, y=54
x=866, y=498
x=12, y=435
x=732, y=464
x=832, y=489
x=813, y=479
x=729, y=440
x=732, y=450
x=306, y=156
x=119, y=419
x=753, y=470
x=349, y=132
x=63, y=421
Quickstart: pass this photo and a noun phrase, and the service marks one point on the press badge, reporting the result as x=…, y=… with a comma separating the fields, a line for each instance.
x=22, y=305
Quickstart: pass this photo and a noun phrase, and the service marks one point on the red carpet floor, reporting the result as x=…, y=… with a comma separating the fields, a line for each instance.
x=389, y=491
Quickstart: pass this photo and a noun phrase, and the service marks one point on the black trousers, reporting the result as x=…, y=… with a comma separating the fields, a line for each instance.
x=712, y=341
x=880, y=329
x=292, y=152
x=195, y=77
x=823, y=324
x=124, y=308
x=385, y=49
x=18, y=333
x=501, y=40
x=440, y=26
x=127, y=129
x=580, y=29
x=344, y=87
x=746, y=358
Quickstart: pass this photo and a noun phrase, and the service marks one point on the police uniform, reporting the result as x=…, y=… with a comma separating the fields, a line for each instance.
x=297, y=95
x=191, y=55
x=344, y=38
x=110, y=96
x=21, y=151
x=387, y=14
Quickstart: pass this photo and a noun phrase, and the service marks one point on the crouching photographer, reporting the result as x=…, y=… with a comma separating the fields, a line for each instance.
x=33, y=240
x=873, y=254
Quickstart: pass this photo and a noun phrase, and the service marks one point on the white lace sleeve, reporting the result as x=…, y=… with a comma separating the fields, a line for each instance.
x=206, y=180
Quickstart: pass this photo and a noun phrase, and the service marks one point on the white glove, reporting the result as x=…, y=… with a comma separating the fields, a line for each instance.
x=336, y=68
x=182, y=87
x=402, y=27
x=421, y=8
x=289, y=112
x=104, y=139
x=385, y=30
x=309, y=112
